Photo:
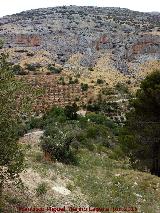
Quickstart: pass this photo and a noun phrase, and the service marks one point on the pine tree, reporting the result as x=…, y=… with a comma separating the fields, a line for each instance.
x=140, y=137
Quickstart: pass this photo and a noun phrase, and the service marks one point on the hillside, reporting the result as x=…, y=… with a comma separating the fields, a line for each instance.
x=83, y=37
x=114, y=45
x=85, y=65
x=100, y=180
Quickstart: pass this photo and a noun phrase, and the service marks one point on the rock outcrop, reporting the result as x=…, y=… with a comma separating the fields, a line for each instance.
x=130, y=37
x=28, y=40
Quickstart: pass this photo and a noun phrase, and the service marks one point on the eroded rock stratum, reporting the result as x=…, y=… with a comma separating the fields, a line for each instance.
x=129, y=37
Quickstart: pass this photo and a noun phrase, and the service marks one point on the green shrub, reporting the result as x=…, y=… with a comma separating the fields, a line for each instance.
x=90, y=69
x=18, y=70
x=94, y=107
x=90, y=145
x=22, y=129
x=61, y=80
x=33, y=67
x=35, y=123
x=56, y=114
x=108, y=91
x=13, y=200
x=76, y=81
x=84, y=87
x=38, y=157
x=109, y=107
x=101, y=119
x=117, y=153
x=122, y=88
x=57, y=142
x=100, y=81
x=70, y=186
x=83, y=122
x=71, y=112
x=81, y=137
x=54, y=70
x=91, y=132
x=71, y=81
x=65, y=133
x=41, y=189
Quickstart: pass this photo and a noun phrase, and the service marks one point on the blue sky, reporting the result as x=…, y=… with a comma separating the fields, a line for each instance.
x=8, y=7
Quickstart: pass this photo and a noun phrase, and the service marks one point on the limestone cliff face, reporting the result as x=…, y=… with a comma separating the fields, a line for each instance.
x=130, y=38
x=147, y=44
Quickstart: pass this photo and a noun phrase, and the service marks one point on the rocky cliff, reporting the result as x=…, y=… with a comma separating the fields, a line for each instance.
x=131, y=38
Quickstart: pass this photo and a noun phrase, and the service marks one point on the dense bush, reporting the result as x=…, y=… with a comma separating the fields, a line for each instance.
x=18, y=70
x=65, y=132
x=71, y=112
x=57, y=142
x=71, y=81
x=33, y=67
x=35, y=122
x=84, y=87
x=109, y=107
x=102, y=106
x=100, y=81
x=56, y=114
x=101, y=119
x=62, y=140
x=93, y=107
x=122, y=88
x=54, y=70
x=61, y=115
